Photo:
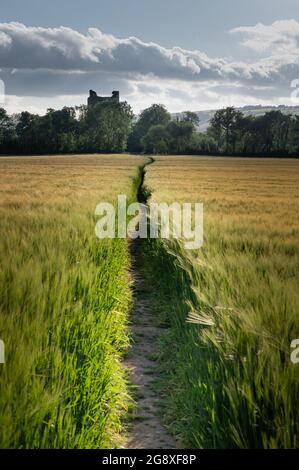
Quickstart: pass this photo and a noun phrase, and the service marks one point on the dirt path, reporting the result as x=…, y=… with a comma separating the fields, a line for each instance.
x=146, y=430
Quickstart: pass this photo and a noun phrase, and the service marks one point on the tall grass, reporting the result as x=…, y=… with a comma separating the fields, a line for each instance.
x=232, y=307
x=64, y=302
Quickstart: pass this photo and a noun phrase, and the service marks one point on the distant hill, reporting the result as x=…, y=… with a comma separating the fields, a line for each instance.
x=205, y=116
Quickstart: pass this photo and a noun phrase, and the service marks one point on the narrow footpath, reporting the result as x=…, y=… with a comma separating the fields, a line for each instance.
x=145, y=429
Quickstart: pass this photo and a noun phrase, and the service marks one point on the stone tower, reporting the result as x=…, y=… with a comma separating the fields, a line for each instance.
x=94, y=99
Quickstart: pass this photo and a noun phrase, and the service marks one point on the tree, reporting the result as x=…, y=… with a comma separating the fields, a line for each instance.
x=173, y=137
x=224, y=127
x=26, y=130
x=107, y=126
x=6, y=131
x=202, y=143
x=156, y=140
x=293, y=143
x=267, y=134
x=152, y=116
x=281, y=129
x=189, y=116
x=180, y=135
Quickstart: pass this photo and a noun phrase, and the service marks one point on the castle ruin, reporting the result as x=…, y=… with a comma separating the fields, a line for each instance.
x=94, y=99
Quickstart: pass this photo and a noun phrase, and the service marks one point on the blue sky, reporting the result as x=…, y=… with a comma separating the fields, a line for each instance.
x=54, y=58
x=191, y=24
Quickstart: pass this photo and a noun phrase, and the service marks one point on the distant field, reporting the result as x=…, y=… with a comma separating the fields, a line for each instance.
x=230, y=378
x=64, y=302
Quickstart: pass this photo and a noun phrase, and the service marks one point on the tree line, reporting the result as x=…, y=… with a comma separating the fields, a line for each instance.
x=112, y=127
x=229, y=133
x=101, y=128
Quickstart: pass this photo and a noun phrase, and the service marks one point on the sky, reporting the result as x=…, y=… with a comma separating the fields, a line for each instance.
x=191, y=54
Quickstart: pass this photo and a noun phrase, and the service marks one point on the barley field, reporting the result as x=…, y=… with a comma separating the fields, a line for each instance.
x=65, y=297
x=230, y=381
x=228, y=311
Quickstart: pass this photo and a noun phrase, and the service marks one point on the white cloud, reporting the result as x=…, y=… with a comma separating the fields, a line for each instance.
x=277, y=38
x=5, y=40
x=40, y=62
x=39, y=105
x=66, y=49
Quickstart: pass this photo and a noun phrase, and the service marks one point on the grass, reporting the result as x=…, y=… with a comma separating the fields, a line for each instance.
x=231, y=308
x=227, y=376
x=64, y=302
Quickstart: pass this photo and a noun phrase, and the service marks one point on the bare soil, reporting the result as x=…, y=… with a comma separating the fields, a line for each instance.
x=145, y=430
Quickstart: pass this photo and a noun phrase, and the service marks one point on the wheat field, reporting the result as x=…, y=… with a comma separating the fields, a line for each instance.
x=231, y=308
x=65, y=297
x=231, y=382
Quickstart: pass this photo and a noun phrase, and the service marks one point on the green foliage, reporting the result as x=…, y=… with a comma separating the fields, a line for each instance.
x=202, y=143
x=229, y=381
x=174, y=137
x=232, y=306
x=6, y=128
x=153, y=116
x=106, y=127
x=293, y=142
x=229, y=133
x=102, y=128
x=225, y=125
x=64, y=320
x=268, y=134
x=180, y=134
x=156, y=140
x=64, y=303
x=189, y=116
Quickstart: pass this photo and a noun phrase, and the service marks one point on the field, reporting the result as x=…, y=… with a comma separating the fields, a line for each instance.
x=227, y=312
x=231, y=381
x=64, y=296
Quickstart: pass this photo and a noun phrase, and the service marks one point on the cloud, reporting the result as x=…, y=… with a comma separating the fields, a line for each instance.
x=38, y=61
x=43, y=82
x=278, y=38
x=63, y=48
x=66, y=49
x=5, y=40
x=177, y=95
